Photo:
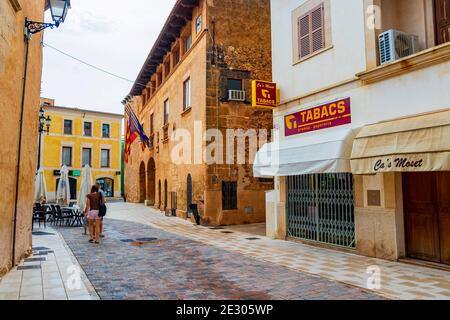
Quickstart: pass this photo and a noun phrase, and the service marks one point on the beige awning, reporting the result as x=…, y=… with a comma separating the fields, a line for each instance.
x=419, y=143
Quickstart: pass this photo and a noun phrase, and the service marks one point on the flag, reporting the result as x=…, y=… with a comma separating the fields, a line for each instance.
x=130, y=137
x=136, y=127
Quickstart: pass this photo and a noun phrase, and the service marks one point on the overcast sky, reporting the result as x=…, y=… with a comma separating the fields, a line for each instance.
x=114, y=35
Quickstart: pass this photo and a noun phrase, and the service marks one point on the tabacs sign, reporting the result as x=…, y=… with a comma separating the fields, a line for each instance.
x=329, y=115
x=264, y=94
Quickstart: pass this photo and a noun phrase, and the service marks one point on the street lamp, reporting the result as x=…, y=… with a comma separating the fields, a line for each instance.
x=59, y=9
x=44, y=127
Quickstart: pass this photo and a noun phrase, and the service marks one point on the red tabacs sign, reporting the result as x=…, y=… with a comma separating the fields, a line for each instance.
x=329, y=115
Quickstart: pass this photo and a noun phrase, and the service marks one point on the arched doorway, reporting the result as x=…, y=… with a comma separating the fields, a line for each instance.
x=151, y=181
x=142, y=188
x=188, y=194
x=107, y=185
x=165, y=196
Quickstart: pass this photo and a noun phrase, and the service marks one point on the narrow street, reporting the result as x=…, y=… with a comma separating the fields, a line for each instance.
x=146, y=255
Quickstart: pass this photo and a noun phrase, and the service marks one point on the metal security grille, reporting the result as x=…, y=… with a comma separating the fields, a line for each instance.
x=320, y=208
x=229, y=195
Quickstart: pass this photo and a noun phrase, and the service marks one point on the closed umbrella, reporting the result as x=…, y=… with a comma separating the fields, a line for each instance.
x=40, y=188
x=86, y=185
x=63, y=191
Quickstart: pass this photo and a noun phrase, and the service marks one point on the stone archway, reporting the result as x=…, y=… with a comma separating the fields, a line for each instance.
x=151, y=181
x=142, y=187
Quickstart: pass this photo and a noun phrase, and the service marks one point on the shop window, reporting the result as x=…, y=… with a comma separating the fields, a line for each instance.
x=229, y=195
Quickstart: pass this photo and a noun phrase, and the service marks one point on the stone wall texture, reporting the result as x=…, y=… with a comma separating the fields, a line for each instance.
x=12, y=60
x=237, y=45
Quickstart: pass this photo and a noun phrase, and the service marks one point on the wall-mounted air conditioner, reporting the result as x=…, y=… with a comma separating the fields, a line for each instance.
x=236, y=95
x=395, y=45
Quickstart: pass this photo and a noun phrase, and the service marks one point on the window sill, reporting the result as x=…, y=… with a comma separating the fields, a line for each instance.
x=408, y=64
x=313, y=55
x=186, y=112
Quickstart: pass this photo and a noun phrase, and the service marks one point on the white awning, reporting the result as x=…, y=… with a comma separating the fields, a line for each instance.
x=317, y=152
x=417, y=143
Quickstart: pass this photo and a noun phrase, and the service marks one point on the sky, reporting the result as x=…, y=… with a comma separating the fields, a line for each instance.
x=114, y=35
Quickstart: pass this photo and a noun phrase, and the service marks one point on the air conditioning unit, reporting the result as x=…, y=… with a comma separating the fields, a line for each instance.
x=396, y=45
x=236, y=95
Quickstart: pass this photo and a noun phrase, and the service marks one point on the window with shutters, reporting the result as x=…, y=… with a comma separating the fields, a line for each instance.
x=311, y=28
x=311, y=32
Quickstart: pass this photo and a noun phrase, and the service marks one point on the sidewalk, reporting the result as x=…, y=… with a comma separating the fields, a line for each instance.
x=51, y=273
x=398, y=280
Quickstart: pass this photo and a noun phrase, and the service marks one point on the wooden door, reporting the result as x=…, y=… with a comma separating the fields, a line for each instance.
x=421, y=216
x=442, y=20
x=443, y=179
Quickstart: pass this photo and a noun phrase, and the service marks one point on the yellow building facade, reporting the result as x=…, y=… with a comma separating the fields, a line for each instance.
x=78, y=137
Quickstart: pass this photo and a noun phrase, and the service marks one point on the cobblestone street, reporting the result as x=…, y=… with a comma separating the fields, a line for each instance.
x=168, y=266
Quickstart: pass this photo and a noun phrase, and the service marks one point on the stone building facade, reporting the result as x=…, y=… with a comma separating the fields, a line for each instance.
x=12, y=62
x=205, y=49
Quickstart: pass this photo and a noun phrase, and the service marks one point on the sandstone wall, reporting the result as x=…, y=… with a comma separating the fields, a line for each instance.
x=12, y=57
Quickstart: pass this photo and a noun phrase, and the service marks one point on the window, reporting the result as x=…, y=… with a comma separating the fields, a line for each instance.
x=86, y=157
x=229, y=195
x=166, y=112
x=152, y=125
x=188, y=43
x=311, y=37
x=311, y=29
x=176, y=56
x=234, y=84
x=67, y=156
x=442, y=11
x=187, y=94
x=105, y=158
x=68, y=127
x=198, y=24
x=105, y=130
x=88, y=129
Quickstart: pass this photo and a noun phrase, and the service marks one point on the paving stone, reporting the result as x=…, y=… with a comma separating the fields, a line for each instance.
x=178, y=268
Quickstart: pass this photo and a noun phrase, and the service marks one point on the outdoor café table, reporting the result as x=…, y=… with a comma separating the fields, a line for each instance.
x=76, y=214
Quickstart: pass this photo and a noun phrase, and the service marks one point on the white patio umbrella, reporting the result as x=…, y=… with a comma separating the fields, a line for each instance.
x=40, y=188
x=86, y=185
x=63, y=191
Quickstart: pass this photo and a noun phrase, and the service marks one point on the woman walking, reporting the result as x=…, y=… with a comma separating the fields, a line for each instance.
x=92, y=210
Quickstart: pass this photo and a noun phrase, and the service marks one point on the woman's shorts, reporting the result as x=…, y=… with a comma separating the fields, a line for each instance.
x=93, y=215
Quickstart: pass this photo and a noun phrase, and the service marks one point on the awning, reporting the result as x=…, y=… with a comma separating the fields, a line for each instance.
x=419, y=143
x=324, y=152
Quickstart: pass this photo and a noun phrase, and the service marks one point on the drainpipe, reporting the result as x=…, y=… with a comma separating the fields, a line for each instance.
x=19, y=147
